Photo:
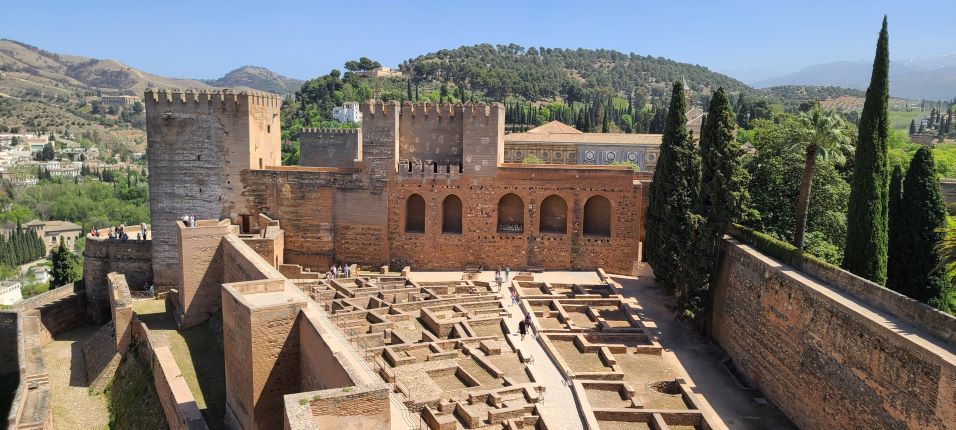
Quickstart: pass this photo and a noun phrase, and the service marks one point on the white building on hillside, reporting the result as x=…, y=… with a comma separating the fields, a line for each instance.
x=348, y=112
x=10, y=292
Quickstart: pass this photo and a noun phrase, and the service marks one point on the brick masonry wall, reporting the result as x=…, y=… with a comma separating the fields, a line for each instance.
x=825, y=364
x=177, y=401
x=431, y=132
x=201, y=260
x=329, y=148
x=481, y=243
x=237, y=352
x=102, y=256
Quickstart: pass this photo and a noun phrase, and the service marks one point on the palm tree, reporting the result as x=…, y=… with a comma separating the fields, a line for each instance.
x=823, y=134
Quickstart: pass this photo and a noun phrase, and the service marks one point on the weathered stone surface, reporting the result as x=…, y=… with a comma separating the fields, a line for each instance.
x=103, y=256
x=198, y=144
x=826, y=358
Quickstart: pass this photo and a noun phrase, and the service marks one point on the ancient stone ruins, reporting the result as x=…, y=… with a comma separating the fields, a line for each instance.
x=249, y=331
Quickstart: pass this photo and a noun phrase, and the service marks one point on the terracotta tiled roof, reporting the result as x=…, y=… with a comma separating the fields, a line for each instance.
x=589, y=138
x=554, y=127
x=50, y=226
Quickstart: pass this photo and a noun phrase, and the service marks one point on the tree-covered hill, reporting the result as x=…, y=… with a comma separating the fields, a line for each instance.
x=497, y=72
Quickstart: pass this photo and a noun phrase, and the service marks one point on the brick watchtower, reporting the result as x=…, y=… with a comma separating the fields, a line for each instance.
x=198, y=143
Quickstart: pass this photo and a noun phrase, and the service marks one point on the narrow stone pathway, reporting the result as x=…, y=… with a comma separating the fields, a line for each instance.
x=73, y=405
x=557, y=406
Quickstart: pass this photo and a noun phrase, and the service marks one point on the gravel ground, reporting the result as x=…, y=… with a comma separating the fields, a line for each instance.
x=73, y=406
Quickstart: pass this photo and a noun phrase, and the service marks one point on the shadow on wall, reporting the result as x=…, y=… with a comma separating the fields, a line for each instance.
x=282, y=379
x=205, y=349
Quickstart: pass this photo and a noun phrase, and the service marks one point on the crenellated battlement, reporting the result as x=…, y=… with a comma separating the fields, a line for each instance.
x=431, y=110
x=379, y=107
x=310, y=131
x=156, y=96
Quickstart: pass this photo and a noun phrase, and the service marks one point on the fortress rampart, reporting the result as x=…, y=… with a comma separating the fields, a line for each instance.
x=826, y=357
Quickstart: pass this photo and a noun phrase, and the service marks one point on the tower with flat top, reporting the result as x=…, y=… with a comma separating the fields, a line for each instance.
x=198, y=145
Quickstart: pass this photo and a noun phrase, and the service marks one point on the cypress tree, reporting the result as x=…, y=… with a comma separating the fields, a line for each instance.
x=912, y=127
x=865, y=252
x=923, y=215
x=673, y=195
x=723, y=194
x=895, y=266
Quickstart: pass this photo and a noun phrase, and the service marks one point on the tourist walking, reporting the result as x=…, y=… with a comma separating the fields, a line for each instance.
x=498, y=280
x=522, y=328
x=514, y=297
x=348, y=271
x=507, y=273
x=335, y=271
x=528, y=326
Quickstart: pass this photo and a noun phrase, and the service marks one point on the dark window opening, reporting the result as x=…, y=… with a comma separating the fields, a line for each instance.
x=451, y=215
x=415, y=214
x=554, y=215
x=510, y=214
x=597, y=217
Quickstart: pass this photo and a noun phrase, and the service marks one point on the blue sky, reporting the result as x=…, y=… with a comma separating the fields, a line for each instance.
x=205, y=39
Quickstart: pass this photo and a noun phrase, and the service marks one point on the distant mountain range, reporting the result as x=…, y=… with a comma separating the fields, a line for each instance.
x=259, y=78
x=27, y=71
x=932, y=78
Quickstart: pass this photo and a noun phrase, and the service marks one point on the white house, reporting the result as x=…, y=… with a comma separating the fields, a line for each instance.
x=348, y=112
x=10, y=292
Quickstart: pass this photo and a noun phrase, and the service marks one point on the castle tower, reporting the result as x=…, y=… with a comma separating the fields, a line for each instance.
x=198, y=145
x=380, y=140
x=483, y=139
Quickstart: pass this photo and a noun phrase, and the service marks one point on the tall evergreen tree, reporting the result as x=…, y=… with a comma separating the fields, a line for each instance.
x=895, y=272
x=65, y=267
x=723, y=195
x=866, y=245
x=912, y=127
x=918, y=272
x=673, y=195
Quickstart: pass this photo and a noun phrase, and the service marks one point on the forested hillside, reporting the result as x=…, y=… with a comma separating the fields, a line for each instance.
x=501, y=71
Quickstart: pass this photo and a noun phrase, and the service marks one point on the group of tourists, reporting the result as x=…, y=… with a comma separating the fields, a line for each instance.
x=189, y=220
x=119, y=233
x=343, y=271
x=498, y=279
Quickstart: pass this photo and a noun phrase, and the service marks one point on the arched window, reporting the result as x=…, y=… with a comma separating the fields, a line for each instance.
x=554, y=215
x=451, y=215
x=415, y=214
x=597, y=217
x=510, y=214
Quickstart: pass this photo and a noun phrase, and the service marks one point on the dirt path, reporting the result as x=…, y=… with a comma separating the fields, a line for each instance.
x=701, y=359
x=73, y=406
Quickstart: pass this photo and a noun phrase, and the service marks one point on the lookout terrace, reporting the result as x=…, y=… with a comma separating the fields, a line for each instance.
x=235, y=318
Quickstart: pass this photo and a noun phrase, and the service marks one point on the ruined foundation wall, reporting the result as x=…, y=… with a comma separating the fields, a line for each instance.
x=325, y=147
x=102, y=256
x=825, y=358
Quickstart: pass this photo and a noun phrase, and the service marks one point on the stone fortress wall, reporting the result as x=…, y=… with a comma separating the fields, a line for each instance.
x=330, y=147
x=829, y=356
x=450, y=157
